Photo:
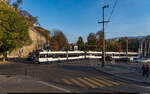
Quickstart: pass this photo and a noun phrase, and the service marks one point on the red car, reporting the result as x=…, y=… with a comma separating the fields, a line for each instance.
x=108, y=58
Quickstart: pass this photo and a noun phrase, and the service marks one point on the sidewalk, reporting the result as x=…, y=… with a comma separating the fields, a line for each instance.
x=125, y=71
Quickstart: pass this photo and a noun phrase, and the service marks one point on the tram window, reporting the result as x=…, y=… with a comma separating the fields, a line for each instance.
x=83, y=54
x=62, y=55
x=118, y=54
x=122, y=55
x=43, y=55
x=86, y=54
x=97, y=54
x=54, y=56
x=73, y=55
x=109, y=54
x=59, y=56
x=50, y=55
x=70, y=55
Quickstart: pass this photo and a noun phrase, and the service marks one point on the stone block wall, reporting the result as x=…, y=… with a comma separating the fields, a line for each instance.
x=38, y=42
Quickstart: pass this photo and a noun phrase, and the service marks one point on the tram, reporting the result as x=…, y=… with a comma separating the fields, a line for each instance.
x=54, y=56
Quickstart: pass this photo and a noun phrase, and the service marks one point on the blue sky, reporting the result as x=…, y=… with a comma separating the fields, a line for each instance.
x=79, y=17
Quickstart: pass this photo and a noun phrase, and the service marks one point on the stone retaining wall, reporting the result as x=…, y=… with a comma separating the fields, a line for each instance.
x=38, y=42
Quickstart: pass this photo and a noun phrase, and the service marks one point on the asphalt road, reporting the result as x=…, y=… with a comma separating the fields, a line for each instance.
x=75, y=77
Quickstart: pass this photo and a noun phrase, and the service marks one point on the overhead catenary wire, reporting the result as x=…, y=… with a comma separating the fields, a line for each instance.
x=113, y=9
x=109, y=18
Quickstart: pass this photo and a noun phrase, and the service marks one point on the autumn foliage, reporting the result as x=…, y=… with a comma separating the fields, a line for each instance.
x=95, y=43
x=58, y=41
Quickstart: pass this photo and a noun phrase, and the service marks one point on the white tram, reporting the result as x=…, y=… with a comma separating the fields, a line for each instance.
x=53, y=56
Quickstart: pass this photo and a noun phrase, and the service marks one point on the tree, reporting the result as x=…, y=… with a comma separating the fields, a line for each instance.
x=54, y=45
x=16, y=4
x=31, y=19
x=8, y=1
x=13, y=30
x=91, y=42
x=111, y=45
x=133, y=44
x=123, y=42
x=80, y=43
x=61, y=40
x=114, y=46
x=118, y=47
x=99, y=36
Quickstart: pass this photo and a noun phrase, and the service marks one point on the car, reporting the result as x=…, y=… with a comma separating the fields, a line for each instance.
x=142, y=60
x=108, y=58
x=137, y=60
x=145, y=60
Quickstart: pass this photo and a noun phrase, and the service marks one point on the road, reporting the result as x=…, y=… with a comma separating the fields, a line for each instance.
x=73, y=77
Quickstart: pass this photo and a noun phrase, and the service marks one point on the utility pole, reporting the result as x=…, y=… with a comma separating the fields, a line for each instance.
x=127, y=47
x=103, y=22
x=145, y=49
x=142, y=48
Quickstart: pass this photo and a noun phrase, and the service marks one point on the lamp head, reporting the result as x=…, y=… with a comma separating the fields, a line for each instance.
x=106, y=6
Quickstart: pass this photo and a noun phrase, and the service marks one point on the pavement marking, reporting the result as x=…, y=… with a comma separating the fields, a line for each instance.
x=86, y=82
x=53, y=86
x=67, y=82
x=94, y=82
x=78, y=83
x=101, y=81
x=113, y=82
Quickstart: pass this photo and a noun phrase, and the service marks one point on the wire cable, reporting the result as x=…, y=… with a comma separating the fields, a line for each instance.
x=113, y=10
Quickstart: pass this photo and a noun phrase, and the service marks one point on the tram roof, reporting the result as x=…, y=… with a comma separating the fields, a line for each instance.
x=90, y=52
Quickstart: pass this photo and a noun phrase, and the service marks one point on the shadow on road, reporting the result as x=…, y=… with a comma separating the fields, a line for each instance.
x=20, y=60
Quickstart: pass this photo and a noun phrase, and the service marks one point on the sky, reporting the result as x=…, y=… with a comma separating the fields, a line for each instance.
x=79, y=17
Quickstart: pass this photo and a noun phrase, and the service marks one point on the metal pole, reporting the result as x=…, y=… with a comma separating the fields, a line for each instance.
x=127, y=47
x=145, y=49
x=141, y=49
x=103, y=51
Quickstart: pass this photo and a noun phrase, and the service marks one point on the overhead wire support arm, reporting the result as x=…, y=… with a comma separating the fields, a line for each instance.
x=104, y=22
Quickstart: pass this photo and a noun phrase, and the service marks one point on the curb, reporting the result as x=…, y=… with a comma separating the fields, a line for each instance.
x=135, y=81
